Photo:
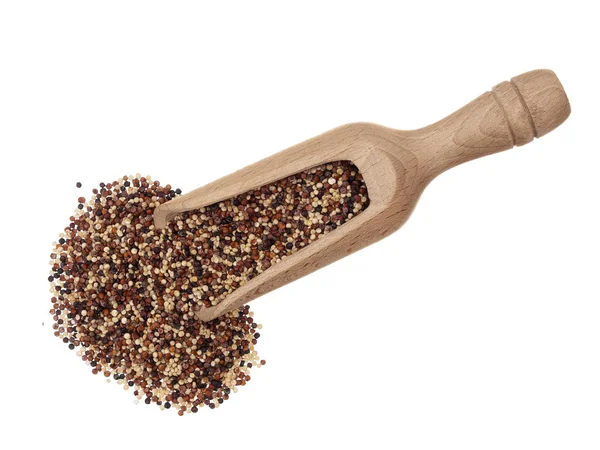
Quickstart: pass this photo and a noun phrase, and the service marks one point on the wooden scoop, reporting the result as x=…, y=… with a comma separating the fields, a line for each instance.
x=396, y=166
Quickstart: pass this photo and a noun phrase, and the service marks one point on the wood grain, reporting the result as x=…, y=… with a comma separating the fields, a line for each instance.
x=396, y=165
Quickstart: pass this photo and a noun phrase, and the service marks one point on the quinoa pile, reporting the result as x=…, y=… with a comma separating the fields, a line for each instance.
x=124, y=294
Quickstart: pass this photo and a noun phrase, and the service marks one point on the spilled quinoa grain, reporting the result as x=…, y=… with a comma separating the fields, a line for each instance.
x=124, y=294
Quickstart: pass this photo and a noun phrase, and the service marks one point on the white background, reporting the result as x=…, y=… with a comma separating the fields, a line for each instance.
x=476, y=326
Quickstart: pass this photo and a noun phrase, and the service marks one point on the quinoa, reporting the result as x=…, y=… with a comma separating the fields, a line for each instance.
x=223, y=246
x=124, y=294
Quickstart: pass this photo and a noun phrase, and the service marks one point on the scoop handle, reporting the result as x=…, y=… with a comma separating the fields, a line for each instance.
x=513, y=113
